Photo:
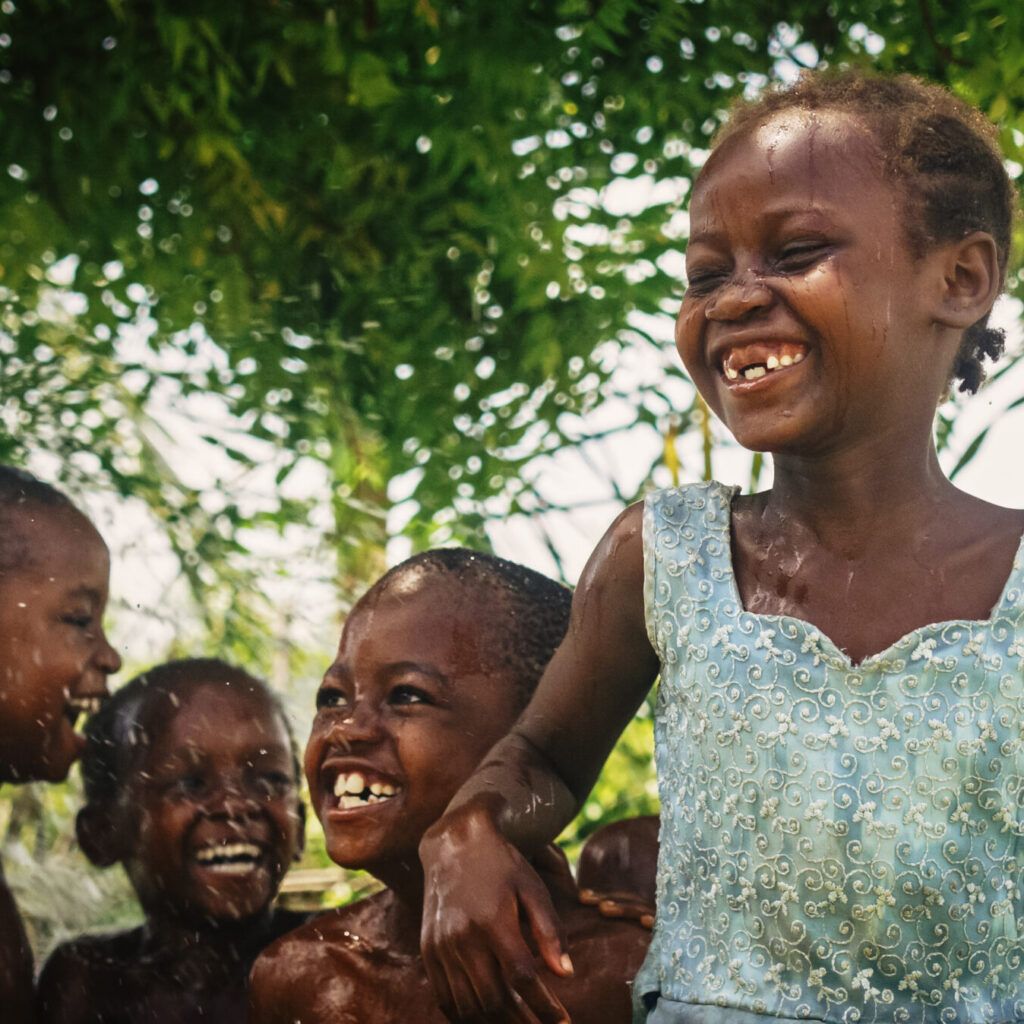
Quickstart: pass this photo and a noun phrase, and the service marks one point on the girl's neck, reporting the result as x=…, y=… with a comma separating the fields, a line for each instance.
x=858, y=493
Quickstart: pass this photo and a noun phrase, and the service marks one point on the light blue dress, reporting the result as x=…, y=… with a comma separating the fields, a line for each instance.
x=838, y=842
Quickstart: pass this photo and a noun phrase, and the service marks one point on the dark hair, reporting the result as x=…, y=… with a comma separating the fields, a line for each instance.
x=535, y=609
x=941, y=152
x=20, y=489
x=123, y=729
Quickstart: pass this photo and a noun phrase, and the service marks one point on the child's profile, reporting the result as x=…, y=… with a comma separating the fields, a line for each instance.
x=191, y=785
x=839, y=720
x=54, y=663
x=435, y=662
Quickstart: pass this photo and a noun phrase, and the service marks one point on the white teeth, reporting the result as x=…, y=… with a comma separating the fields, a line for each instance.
x=352, y=790
x=754, y=372
x=771, y=362
x=786, y=361
x=730, y=373
x=229, y=858
x=798, y=357
x=84, y=705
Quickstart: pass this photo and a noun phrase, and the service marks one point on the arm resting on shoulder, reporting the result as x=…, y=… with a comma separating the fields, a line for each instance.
x=478, y=881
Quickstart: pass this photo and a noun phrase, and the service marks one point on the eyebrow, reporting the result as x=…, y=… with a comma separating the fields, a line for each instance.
x=340, y=673
x=88, y=592
x=398, y=668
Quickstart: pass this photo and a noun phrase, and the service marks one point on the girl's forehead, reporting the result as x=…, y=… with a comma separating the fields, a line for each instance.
x=806, y=144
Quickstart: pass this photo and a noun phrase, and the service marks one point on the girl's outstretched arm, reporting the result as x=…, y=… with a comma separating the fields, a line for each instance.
x=478, y=883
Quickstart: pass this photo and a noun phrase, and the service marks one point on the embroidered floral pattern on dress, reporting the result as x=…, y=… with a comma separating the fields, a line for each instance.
x=838, y=843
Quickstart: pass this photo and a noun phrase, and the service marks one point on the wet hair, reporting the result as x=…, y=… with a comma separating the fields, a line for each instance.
x=19, y=489
x=127, y=723
x=943, y=155
x=535, y=609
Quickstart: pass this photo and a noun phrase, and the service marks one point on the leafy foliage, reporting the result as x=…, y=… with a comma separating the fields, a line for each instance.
x=398, y=241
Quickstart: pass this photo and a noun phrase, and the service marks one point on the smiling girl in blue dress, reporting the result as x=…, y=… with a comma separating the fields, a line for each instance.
x=840, y=722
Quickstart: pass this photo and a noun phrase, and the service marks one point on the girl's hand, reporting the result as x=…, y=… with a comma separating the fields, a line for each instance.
x=480, y=894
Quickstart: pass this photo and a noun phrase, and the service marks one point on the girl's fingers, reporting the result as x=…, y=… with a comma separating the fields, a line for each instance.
x=546, y=927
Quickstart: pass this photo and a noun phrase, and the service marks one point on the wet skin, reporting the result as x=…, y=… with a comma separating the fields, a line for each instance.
x=412, y=704
x=618, y=867
x=53, y=651
x=220, y=774
x=206, y=830
x=54, y=662
x=796, y=250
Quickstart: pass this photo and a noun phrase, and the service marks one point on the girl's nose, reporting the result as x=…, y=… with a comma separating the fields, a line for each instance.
x=739, y=296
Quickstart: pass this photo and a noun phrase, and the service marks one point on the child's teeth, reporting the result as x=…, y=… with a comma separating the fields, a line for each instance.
x=798, y=357
x=730, y=373
x=754, y=372
x=352, y=790
x=771, y=362
x=786, y=361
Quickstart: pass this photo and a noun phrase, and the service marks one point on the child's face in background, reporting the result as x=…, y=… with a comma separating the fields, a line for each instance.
x=404, y=716
x=805, y=322
x=54, y=655
x=214, y=806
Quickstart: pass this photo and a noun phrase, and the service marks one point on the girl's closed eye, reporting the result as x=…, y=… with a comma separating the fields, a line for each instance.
x=799, y=255
x=702, y=280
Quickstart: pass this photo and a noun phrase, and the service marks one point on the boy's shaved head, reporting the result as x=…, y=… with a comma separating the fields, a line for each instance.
x=20, y=491
x=525, y=612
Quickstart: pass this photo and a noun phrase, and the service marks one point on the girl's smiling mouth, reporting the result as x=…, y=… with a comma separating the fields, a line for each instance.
x=751, y=362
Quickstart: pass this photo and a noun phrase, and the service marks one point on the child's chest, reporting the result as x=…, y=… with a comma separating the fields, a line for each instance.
x=864, y=603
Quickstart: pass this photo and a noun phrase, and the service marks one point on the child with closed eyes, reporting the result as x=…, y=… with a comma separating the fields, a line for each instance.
x=54, y=663
x=191, y=785
x=841, y=709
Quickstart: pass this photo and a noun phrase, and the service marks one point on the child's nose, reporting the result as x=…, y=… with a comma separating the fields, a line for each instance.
x=362, y=723
x=107, y=659
x=740, y=295
x=231, y=800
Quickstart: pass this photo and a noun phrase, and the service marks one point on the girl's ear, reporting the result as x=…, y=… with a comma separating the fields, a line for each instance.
x=99, y=835
x=972, y=280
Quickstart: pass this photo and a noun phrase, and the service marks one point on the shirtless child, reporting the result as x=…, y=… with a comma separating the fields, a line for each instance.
x=54, y=663
x=191, y=784
x=435, y=663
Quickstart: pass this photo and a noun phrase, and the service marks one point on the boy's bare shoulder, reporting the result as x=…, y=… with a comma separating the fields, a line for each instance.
x=328, y=970
x=81, y=975
x=606, y=954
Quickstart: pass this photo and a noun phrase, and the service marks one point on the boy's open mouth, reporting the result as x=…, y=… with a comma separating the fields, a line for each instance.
x=752, y=362
x=353, y=790
x=229, y=858
x=76, y=709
